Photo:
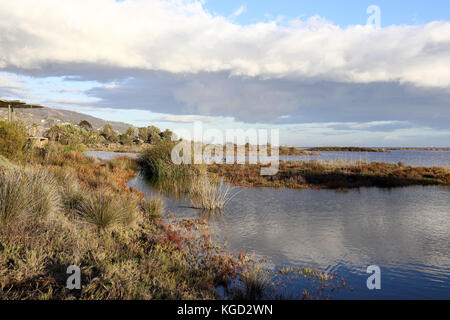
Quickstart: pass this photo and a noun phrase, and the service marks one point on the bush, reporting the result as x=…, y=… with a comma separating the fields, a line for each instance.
x=13, y=139
x=71, y=136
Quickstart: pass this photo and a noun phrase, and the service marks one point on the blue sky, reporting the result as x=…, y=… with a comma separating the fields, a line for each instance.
x=239, y=64
x=343, y=13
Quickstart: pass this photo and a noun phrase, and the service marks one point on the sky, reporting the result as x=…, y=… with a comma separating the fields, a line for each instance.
x=322, y=72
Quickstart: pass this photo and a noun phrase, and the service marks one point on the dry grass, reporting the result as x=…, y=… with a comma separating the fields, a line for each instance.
x=208, y=194
x=333, y=175
x=152, y=208
x=31, y=191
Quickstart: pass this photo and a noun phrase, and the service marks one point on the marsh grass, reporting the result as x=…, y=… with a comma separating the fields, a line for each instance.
x=32, y=192
x=15, y=200
x=106, y=211
x=333, y=175
x=254, y=284
x=156, y=164
x=210, y=194
x=152, y=208
x=44, y=192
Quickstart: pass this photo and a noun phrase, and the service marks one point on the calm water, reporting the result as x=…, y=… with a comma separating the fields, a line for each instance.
x=411, y=157
x=415, y=158
x=405, y=231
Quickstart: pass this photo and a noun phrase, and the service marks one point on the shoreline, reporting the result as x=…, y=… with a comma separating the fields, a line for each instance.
x=333, y=175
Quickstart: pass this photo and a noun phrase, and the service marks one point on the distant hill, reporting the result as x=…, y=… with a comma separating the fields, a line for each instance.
x=47, y=117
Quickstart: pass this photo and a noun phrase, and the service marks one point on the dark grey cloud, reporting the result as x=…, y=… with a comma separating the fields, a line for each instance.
x=280, y=101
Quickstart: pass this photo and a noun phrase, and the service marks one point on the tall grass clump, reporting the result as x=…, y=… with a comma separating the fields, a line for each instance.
x=256, y=284
x=208, y=194
x=106, y=211
x=152, y=208
x=31, y=192
x=15, y=200
x=44, y=192
x=71, y=192
x=156, y=164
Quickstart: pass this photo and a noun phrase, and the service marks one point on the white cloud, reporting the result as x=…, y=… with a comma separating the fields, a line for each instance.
x=185, y=118
x=10, y=85
x=180, y=36
x=239, y=11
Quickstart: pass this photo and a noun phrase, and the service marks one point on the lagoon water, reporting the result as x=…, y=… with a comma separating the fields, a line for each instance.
x=405, y=231
x=410, y=157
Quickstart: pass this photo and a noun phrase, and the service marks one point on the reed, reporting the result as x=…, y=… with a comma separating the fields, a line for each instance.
x=156, y=164
x=208, y=194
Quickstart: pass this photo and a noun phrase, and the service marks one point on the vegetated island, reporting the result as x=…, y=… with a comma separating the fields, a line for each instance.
x=333, y=175
x=420, y=149
x=348, y=149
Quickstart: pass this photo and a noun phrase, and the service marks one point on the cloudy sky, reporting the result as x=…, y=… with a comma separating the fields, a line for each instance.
x=313, y=69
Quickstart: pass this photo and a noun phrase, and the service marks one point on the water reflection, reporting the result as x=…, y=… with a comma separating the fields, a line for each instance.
x=410, y=157
x=404, y=231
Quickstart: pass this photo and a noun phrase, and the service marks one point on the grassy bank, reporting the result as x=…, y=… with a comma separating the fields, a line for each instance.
x=333, y=175
x=63, y=208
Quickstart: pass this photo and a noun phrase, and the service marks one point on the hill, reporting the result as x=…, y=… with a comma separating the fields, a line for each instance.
x=47, y=117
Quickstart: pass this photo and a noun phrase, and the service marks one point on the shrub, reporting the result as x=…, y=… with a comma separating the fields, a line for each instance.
x=13, y=139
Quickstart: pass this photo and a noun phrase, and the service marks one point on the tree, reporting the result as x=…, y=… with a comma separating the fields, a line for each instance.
x=166, y=135
x=143, y=134
x=131, y=132
x=125, y=139
x=84, y=124
x=154, y=135
x=109, y=133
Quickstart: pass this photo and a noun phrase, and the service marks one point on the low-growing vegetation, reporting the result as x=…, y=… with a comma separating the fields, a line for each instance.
x=62, y=208
x=333, y=175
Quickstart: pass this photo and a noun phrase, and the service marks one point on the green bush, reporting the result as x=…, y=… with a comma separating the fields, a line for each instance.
x=71, y=136
x=13, y=139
